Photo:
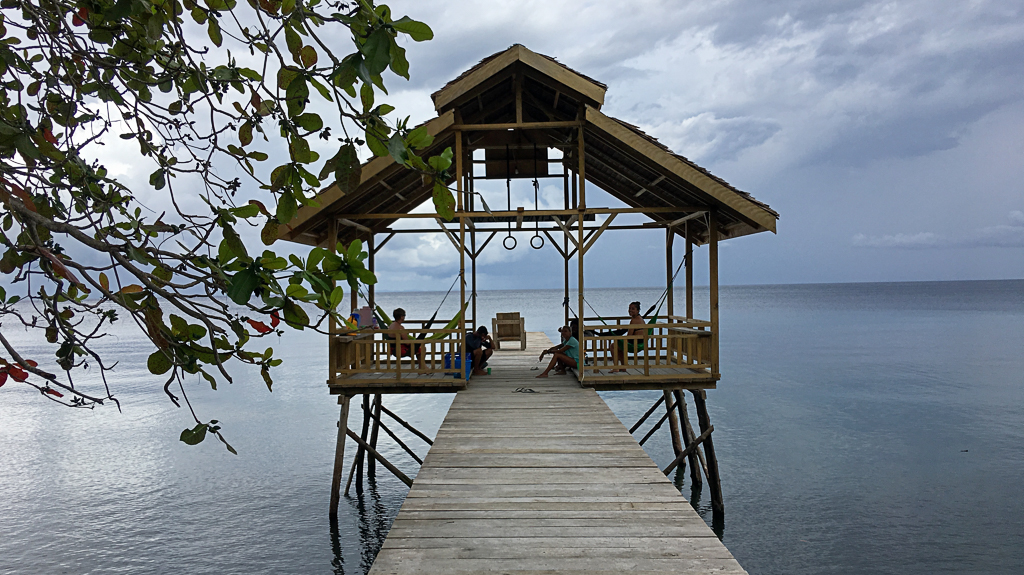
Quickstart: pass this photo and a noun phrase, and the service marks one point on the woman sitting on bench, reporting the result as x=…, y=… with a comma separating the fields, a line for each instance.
x=635, y=342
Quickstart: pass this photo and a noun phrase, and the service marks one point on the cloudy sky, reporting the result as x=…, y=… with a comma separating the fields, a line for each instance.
x=890, y=136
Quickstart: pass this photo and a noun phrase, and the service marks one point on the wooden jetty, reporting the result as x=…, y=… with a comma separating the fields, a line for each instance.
x=548, y=477
x=538, y=475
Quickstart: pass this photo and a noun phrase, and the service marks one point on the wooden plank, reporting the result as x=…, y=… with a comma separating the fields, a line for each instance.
x=546, y=480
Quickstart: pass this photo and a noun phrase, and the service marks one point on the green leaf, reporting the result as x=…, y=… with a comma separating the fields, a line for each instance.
x=245, y=134
x=243, y=284
x=337, y=295
x=286, y=207
x=349, y=170
x=213, y=29
x=291, y=38
x=298, y=148
x=235, y=243
x=442, y=162
x=307, y=57
x=397, y=149
x=354, y=249
x=366, y=96
x=194, y=436
x=376, y=146
x=285, y=76
x=419, y=138
x=158, y=179
x=158, y=363
x=444, y=201
x=297, y=95
x=294, y=315
x=309, y=121
x=269, y=233
x=246, y=211
x=377, y=51
x=399, y=63
x=418, y=31
x=266, y=379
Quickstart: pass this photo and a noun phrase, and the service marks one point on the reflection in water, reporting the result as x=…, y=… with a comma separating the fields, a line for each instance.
x=374, y=523
x=337, y=560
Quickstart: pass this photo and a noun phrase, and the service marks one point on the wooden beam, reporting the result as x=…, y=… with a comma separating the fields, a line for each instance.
x=386, y=240
x=351, y=224
x=515, y=213
x=565, y=228
x=448, y=233
x=689, y=449
x=704, y=182
x=517, y=126
x=553, y=243
x=373, y=452
x=519, y=217
x=598, y=233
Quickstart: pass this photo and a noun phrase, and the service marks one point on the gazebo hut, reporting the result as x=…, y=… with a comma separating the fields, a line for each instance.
x=519, y=114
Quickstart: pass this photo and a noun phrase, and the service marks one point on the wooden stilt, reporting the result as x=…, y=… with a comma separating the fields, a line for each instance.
x=689, y=272
x=714, y=481
x=696, y=465
x=361, y=452
x=371, y=469
x=673, y=422
x=339, y=457
x=376, y=418
x=656, y=427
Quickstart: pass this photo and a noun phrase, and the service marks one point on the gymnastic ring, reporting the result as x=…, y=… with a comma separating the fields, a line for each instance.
x=537, y=238
x=505, y=243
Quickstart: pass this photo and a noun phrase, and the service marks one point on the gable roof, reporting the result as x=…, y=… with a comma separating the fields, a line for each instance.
x=553, y=102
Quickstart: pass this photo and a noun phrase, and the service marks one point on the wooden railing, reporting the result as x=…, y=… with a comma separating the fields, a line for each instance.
x=673, y=345
x=377, y=355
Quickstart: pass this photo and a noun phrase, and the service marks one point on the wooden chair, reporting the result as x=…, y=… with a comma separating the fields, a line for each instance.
x=508, y=327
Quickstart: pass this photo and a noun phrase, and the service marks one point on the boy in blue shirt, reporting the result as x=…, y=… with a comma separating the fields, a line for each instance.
x=566, y=354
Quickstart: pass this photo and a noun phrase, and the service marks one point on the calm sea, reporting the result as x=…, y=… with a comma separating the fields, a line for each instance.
x=861, y=428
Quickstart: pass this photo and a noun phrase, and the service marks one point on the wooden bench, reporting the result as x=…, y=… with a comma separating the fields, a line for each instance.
x=508, y=327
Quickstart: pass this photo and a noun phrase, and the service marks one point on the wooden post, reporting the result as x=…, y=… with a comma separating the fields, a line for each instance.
x=361, y=452
x=371, y=469
x=713, y=289
x=673, y=422
x=714, y=481
x=339, y=457
x=688, y=439
x=460, y=172
x=565, y=246
x=581, y=207
x=670, y=237
x=332, y=324
x=689, y=272
x=470, y=186
x=372, y=303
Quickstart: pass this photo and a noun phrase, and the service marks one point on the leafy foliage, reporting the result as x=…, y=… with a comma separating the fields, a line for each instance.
x=198, y=86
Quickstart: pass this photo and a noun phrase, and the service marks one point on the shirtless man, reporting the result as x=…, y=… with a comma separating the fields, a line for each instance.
x=622, y=347
x=401, y=333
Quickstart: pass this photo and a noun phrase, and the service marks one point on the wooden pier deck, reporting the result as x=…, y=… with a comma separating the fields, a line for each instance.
x=538, y=475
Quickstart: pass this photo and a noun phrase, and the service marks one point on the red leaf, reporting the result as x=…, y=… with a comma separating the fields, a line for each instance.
x=48, y=135
x=274, y=319
x=80, y=17
x=260, y=326
x=259, y=204
x=3, y=377
x=32, y=363
x=53, y=392
x=17, y=373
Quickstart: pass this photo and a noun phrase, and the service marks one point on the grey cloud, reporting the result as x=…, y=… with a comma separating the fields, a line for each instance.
x=998, y=236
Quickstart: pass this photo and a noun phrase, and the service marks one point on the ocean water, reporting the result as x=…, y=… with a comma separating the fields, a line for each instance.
x=860, y=428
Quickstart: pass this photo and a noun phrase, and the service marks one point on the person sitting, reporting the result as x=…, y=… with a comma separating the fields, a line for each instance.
x=566, y=354
x=480, y=347
x=406, y=349
x=633, y=342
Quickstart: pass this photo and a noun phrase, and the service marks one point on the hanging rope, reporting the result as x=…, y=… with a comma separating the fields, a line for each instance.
x=508, y=193
x=536, y=205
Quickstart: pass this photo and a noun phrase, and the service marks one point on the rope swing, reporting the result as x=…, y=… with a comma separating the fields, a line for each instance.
x=508, y=193
x=536, y=205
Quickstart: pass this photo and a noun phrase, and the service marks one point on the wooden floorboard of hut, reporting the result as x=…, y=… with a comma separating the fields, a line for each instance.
x=538, y=475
